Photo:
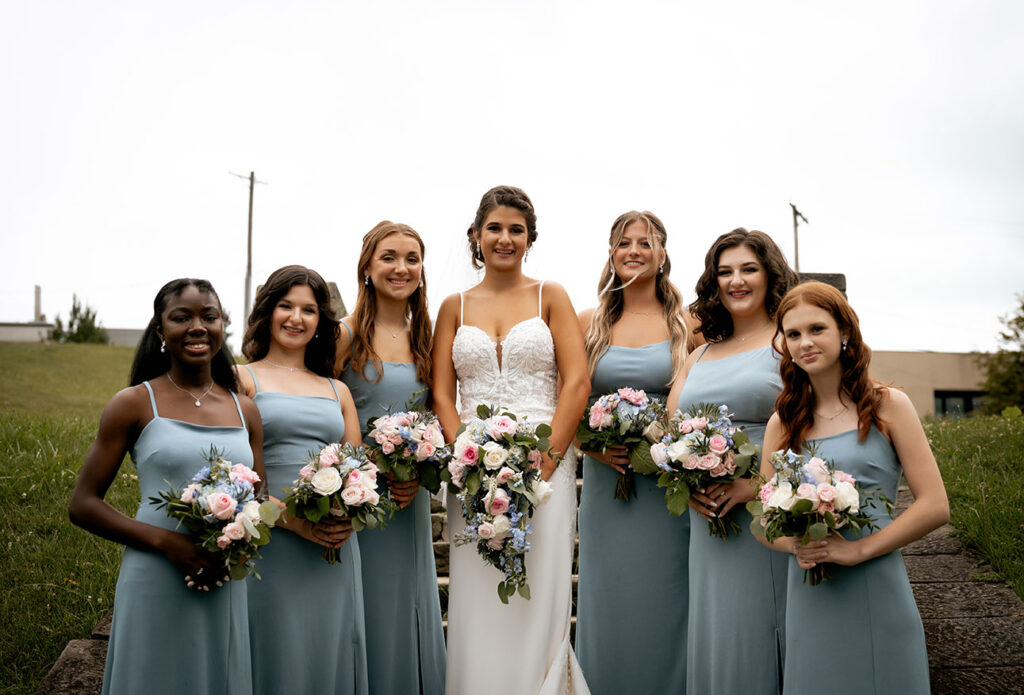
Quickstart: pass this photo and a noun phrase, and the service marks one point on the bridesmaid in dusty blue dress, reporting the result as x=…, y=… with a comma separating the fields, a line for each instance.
x=385, y=352
x=180, y=626
x=632, y=591
x=306, y=623
x=863, y=620
x=737, y=590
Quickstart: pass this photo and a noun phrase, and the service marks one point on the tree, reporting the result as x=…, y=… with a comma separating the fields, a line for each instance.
x=82, y=326
x=1004, y=369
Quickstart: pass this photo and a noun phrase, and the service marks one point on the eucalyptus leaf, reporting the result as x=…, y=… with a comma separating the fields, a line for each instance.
x=677, y=500
x=238, y=572
x=473, y=482
x=641, y=461
x=543, y=430
x=817, y=531
x=756, y=528
x=524, y=591
x=323, y=505
x=483, y=412
x=270, y=512
x=503, y=592
x=755, y=507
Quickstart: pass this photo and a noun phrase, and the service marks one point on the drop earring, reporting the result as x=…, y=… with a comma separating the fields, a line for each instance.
x=844, y=343
x=661, y=268
x=366, y=280
x=163, y=346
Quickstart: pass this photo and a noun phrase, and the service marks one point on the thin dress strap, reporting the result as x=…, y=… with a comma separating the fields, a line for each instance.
x=462, y=304
x=336, y=396
x=347, y=328
x=540, y=299
x=255, y=381
x=706, y=346
x=239, y=407
x=152, y=400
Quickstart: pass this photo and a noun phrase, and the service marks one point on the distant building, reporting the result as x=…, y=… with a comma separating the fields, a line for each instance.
x=938, y=383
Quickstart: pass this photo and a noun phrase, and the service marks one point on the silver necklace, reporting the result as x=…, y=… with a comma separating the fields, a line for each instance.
x=394, y=335
x=198, y=398
x=752, y=333
x=281, y=366
x=833, y=416
x=645, y=313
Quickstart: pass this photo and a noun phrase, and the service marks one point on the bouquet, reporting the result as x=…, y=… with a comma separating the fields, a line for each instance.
x=496, y=470
x=808, y=498
x=700, y=448
x=409, y=445
x=626, y=418
x=341, y=481
x=220, y=507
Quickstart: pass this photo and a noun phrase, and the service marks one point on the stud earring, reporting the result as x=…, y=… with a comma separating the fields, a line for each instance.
x=163, y=346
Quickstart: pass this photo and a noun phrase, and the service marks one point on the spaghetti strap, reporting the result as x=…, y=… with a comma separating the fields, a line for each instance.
x=255, y=381
x=152, y=399
x=706, y=346
x=347, y=328
x=334, y=388
x=239, y=407
x=540, y=299
x=462, y=305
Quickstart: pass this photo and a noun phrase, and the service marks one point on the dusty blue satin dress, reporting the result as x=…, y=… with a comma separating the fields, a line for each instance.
x=735, y=641
x=633, y=578
x=405, y=640
x=167, y=639
x=863, y=623
x=306, y=624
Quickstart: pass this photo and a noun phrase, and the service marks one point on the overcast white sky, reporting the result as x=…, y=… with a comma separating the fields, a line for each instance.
x=896, y=128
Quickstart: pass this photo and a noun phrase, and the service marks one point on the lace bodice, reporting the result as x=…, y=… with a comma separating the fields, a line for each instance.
x=526, y=381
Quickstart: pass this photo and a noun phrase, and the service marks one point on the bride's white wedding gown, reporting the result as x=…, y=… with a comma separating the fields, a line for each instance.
x=521, y=648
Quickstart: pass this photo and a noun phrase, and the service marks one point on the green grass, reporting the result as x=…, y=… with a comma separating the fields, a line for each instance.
x=57, y=580
x=982, y=463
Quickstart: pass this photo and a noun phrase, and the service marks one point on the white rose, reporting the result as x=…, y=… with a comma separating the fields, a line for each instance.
x=654, y=432
x=542, y=491
x=847, y=497
x=494, y=455
x=434, y=436
x=659, y=453
x=501, y=526
x=252, y=510
x=678, y=450
x=783, y=497
x=326, y=481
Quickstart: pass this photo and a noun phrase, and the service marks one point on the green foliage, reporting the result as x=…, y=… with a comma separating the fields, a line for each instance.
x=1004, y=369
x=982, y=465
x=82, y=326
x=1011, y=411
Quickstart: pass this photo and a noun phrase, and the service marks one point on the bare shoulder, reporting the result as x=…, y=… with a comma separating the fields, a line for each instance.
x=896, y=404
x=342, y=387
x=245, y=381
x=128, y=406
x=586, y=317
x=248, y=406
x=449, y=310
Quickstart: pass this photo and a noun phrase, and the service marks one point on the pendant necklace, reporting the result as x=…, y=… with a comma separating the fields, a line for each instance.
x=281, y=366
x=394, y=335
x=833, y=416
x=198, y=398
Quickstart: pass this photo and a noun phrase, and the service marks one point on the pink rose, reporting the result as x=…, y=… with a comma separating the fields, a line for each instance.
x=718, y=471
x=189, y=493
x=307, y=471
x=485, y=530
x=817, y=469
x=242, y=472
x=842, y=477
x=718, y=444
x=354, y=477
x=505, y=474
x=634, y=397
x=699, y=423
x=234, y=531
x=425, y=450
x=456, y=469
x=467, y=452
x=826, y=493
x=685, y=427
x=536, y=458
x=223, y=541
x=496, y=502
x=496, y=543
x=221, y=505
x=597, y=418
x=692, y=462
x=708, y=461
x=825, y=507
x=387, y=447
x=730, y=463
x=766, y=492
x=329, y=455
x=808, y=491
x=499, y=425
x=354, y=496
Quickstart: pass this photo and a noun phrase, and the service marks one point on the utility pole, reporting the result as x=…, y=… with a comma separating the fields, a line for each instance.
x=796, y=242
x=248, y=257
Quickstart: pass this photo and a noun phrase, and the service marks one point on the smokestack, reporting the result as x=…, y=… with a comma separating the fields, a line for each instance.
x=38, y=313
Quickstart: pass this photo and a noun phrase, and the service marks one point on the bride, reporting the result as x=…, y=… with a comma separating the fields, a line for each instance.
x=514, y=342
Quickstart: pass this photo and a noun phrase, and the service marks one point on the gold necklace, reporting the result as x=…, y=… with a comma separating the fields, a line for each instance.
x=833, y=416
x=281, y=366
x=198, y=398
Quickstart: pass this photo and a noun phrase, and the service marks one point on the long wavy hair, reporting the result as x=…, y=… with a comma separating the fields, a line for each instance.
x=150, y=362
x=320, y=350
x=795, y=404
x=714, y=319
x=609, y=303
x=421, y=335
x=500, y=196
